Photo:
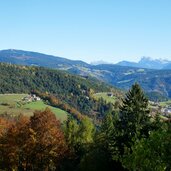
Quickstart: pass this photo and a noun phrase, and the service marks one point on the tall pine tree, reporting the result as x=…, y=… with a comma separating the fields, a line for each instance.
x=134, y=115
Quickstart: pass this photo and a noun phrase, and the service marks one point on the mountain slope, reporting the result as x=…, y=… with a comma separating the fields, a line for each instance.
x=156, y=83
x=147, y=62
x=69, y=89
x=167, y=66
x=37, y=59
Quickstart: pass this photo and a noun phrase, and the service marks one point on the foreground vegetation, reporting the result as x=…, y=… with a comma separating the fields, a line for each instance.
x=126, y=139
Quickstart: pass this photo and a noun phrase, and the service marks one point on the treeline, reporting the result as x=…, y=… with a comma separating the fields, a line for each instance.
x=55, y=102
x=73, y=90
x=99, y=106
x=127, y=139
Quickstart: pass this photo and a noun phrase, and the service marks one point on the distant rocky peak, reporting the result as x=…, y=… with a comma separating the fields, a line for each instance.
x=149, y=59
x=145, y=59
x=148, y=62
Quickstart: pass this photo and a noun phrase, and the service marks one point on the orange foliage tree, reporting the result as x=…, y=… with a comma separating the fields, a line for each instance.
x=49, y=144
x=35, y=143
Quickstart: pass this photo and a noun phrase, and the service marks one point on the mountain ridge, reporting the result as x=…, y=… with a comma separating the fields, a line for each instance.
x=156, y=83
x=149, y=63
x=35, y=58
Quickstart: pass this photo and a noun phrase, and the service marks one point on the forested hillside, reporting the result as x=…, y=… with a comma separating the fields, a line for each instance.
x=59, y=88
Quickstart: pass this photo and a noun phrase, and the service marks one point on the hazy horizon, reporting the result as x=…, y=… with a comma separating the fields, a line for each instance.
x=88, y=30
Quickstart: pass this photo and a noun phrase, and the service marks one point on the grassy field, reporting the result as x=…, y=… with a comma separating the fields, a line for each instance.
x=166, y=103
x=105, y=97
x=10, y=104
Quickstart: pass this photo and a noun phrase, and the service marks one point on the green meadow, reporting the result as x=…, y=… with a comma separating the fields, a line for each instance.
x=165, y=103
x=12, y=104
x=105, y=96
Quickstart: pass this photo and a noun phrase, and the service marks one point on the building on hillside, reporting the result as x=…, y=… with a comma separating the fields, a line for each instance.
x=31, y=98
x=110, y=94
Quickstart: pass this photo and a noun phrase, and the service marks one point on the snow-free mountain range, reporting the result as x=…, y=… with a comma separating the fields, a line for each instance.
x=153, y=75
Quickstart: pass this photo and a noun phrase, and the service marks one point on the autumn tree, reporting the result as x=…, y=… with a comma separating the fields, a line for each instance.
x=35, y=143
x=13, y=144
x=49, y=145
x=4, y=125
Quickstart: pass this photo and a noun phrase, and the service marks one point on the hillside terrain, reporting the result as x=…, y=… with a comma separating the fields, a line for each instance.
x=71, y=93
x=14, y=104
x=98, y=127
x=155, y=83
x=37, y=59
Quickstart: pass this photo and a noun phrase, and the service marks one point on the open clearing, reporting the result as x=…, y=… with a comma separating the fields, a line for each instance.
x=106, y=97
x=12, y=104
x=166, y=103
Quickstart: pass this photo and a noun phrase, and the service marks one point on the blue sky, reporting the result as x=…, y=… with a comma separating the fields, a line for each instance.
x=88, y=30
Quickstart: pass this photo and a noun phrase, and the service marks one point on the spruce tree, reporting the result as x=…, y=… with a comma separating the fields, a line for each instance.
x=134, y=116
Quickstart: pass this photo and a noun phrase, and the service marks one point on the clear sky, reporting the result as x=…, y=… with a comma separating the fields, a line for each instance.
x=88, y=30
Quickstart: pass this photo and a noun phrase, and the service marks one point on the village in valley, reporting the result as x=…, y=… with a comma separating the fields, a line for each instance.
x=164, y=108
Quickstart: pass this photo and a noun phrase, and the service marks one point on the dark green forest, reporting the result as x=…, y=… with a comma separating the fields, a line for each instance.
x=59, y=88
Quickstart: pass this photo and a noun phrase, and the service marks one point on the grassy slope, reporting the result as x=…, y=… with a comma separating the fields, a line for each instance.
x=27, y=109
x=105, y=97
x=165, y=103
